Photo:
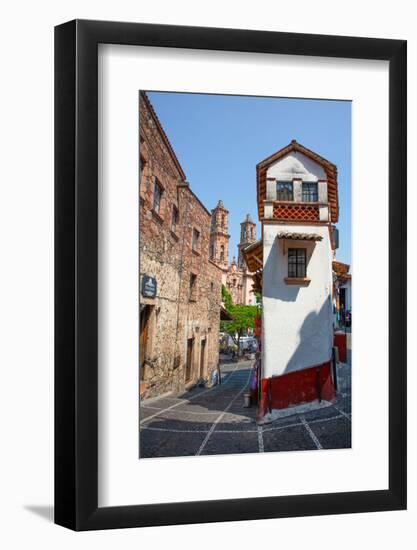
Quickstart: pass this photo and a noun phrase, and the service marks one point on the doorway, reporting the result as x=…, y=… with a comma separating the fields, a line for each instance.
x=145, y=315
x=342, y=305
x=202, y=357
x=189, y=363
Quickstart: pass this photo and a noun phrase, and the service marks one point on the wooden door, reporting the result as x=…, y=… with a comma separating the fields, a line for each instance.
x=143, y=339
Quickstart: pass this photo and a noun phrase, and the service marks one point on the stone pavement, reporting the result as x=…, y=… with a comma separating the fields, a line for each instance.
x=214, y=421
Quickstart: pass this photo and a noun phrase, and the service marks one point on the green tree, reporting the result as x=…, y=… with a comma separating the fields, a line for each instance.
x=226, y=298
x=243, y=318
x=258, y=298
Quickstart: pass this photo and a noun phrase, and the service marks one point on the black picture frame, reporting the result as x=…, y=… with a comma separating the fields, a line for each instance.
x=76, y=272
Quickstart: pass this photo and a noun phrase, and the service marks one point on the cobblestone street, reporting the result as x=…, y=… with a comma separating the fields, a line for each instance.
x=214, y=421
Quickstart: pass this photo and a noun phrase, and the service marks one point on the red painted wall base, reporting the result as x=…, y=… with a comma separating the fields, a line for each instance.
x=302, y=386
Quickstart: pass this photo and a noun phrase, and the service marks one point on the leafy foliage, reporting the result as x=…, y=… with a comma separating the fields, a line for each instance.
x=258, y=298
x=226, y=298
x=243, y=318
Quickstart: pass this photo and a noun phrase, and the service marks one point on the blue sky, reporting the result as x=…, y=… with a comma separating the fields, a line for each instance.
x=219, y=139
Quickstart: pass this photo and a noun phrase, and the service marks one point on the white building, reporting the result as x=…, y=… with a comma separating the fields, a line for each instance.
x=298, y=205
x=342, y=298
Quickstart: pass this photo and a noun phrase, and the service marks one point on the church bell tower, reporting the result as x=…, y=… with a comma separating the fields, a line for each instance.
x=219, y=236
x=247, y=236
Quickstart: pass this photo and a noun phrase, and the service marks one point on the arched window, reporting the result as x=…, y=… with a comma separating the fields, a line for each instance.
x=222, y=253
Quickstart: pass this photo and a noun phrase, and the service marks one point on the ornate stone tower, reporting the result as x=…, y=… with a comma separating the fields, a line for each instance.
x=219, y=236
x=247, y=236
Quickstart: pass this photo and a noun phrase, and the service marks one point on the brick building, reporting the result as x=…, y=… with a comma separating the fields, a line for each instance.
x=180, y=287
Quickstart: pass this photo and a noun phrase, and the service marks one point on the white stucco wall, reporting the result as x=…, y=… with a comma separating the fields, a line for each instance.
x=324, y=213
x=296, y=165
x=322, y=191
x=297, y=320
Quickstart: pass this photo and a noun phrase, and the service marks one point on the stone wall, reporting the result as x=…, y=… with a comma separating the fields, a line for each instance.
x=180, y=311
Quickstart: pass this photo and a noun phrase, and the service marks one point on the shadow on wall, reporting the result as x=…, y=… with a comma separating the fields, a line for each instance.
x=313, y=341
x=315, y=335
x=276, y=269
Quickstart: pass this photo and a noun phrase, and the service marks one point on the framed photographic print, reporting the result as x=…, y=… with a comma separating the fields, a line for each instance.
x=230, y=275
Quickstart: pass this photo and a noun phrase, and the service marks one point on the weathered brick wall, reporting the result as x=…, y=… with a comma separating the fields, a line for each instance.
x=169, y=257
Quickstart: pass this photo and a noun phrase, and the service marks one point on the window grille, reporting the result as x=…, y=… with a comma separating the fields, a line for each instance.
x=285, y=191
x=297, y=262
x=310, y=192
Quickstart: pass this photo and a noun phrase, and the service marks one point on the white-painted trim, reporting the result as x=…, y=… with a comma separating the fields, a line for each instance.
x=322, y=190
x=268, y=210
x=271, y=190
x=297, y=187
x=324, y=213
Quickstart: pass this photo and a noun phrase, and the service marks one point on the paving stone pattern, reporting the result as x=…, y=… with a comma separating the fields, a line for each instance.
x=214, y=421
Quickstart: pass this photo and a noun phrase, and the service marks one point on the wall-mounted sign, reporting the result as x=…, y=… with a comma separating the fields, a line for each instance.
x=148, y=286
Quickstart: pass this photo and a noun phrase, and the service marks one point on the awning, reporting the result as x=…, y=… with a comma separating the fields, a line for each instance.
x=341, y=271
x=253, y=255
x=340, y=268
x=294, y=236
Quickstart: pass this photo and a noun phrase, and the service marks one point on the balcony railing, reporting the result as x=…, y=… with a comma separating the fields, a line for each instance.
x=298, y=211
